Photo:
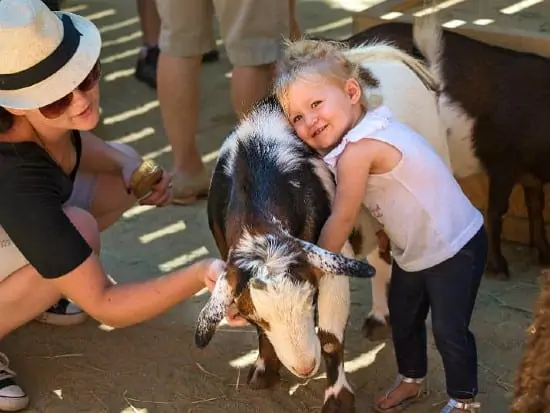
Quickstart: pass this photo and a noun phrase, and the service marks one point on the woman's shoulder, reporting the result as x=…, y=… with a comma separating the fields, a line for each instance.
x=24, y=164
x=18, y=154
x=19, y=150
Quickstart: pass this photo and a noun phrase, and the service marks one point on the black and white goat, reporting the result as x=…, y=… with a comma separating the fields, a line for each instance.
x=269, y=198
x=494, y=103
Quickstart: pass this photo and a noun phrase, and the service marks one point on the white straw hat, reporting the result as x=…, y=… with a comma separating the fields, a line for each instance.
x=44, y=55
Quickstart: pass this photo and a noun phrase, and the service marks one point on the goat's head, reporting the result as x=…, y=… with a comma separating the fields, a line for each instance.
x=272, y=280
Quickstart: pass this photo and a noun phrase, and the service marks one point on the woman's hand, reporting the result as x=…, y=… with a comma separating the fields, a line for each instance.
x=233, y=318
x=161, y=192
x=216, y=268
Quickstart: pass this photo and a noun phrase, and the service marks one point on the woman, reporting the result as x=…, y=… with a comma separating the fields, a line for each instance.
x=61, y=186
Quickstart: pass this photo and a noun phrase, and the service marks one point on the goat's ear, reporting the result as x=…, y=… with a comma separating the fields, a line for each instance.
x=337, y=264
x=213, y=312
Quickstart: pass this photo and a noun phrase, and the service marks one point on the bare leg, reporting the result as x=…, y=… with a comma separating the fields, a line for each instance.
x=295, y=33
x=250, y=84
x=146, y=66
x=25, y=294
x=110, y=199
x=190, y=179
x=149, y=20
x=180, y=124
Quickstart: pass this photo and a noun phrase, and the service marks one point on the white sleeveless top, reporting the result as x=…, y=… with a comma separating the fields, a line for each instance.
x=425, y=213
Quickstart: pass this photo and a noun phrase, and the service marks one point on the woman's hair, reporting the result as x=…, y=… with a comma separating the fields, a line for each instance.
x=6, y=120
x=313, y=59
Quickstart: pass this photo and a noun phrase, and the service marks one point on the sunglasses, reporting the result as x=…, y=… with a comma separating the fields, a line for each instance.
x=60, y=106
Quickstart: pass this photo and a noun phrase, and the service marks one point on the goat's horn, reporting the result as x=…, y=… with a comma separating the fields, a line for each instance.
x=213, y=312
x=337, y=264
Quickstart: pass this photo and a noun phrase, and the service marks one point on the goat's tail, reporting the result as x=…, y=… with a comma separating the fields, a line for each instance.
x=428, y=38
x=385, y=51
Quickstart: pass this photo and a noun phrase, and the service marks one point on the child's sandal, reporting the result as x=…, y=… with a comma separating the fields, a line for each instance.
x=422, y=393
x=454, y=406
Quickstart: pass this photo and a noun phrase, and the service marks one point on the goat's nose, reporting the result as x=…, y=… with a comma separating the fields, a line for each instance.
x=305, y=369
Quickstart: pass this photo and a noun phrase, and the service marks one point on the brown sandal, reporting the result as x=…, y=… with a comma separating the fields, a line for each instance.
x=422, y=393
x=188, y=190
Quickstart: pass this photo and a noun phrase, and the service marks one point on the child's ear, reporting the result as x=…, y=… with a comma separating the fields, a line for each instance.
x=353, y=90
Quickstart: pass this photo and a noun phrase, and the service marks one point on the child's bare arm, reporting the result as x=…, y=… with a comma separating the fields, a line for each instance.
x=353, y=171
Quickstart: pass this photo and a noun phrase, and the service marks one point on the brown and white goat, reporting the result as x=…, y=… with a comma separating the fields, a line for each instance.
x=494, y=103
x=269, y=194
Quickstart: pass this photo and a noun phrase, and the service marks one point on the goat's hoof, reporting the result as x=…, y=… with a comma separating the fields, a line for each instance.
x=498, y=270
x=260, y=378
x=375, y=329
x=544, y=257
x=344, y=402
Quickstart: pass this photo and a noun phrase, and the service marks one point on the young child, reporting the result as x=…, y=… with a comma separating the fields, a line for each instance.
x=437, y=237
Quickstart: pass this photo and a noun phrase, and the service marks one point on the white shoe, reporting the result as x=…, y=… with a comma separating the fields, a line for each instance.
x=12, y=397
x=64, y=313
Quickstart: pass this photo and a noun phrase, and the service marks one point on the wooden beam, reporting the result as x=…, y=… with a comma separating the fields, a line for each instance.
x=406, y=5
x=514, y=39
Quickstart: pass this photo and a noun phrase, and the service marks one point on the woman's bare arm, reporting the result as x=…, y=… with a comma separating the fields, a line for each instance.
x=121, y=305
x=99, y=157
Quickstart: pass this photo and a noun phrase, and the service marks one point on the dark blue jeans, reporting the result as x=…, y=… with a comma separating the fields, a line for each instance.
x=449, y=289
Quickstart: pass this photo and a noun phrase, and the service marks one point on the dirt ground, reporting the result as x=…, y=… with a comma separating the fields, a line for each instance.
x=155, y=367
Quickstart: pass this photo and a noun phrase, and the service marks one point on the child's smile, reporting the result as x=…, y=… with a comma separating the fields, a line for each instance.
x=322, y=112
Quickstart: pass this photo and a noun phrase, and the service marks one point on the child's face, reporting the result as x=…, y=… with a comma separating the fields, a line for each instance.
x=322, y=112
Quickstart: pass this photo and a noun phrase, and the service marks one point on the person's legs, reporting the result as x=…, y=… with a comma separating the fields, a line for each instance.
x=295, y=32
x=109, y=199
x=146, y=66
x=408, y=304
x=453, y=290
x=186, y=33
x=253, y=31
x=24, y=295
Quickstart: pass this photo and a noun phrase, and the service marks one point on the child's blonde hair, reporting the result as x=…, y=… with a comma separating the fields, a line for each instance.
x=307, y=59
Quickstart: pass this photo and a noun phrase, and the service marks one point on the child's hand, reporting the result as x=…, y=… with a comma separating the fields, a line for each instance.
x=384, y=249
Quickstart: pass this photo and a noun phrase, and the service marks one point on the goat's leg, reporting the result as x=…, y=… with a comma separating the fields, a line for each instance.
x=377, y=325
x=534, y=201
x=333, y=311
x=500, y=189
x=264, y=373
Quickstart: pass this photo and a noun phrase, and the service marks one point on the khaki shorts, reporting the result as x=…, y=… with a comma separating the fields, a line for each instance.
x=252, y=30
x=11, y=258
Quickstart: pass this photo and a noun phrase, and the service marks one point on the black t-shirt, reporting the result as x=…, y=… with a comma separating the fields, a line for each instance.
x=33, y=189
